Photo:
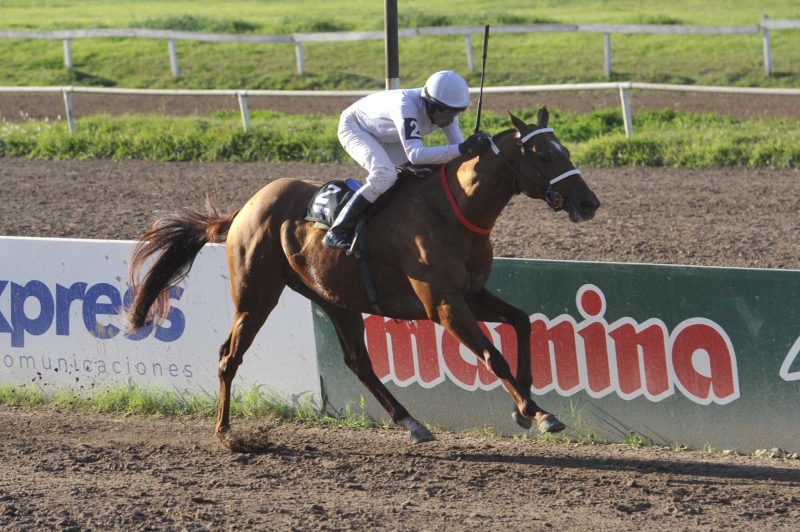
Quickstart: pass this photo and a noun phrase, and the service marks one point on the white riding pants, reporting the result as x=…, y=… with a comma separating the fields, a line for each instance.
x=378, y=158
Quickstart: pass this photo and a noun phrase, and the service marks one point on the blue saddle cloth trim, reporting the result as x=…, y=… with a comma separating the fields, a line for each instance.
x=353, y=184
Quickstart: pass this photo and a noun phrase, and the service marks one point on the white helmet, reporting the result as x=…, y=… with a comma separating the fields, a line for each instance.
x=448, y=89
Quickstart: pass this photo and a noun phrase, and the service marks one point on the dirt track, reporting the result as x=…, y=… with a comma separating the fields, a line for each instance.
x=721, y=217
x=104, y=472
x=110, y=472
x=99, y=472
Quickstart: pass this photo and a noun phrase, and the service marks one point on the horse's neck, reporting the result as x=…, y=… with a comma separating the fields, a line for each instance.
x=482, y=190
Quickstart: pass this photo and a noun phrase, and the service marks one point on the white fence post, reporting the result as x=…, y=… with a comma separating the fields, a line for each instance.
x=298, y=53
x=67, y=54
x=607, y=54
x=767, y=48
x=470, y=57
x=625, y=100
x=173, y=59
x=242, y=95
x=67, y=91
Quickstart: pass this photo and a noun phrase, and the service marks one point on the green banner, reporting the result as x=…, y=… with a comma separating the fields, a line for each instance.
x=670, y=354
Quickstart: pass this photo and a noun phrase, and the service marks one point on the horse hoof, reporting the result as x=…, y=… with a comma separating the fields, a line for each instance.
x=551, y=425
x=521, y=420
x=222, y=432
x=421, y=435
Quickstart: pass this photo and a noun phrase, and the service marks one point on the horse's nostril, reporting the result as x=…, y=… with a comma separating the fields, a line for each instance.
x=588, y=205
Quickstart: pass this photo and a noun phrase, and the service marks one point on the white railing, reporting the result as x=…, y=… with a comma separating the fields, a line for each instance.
x=624, y=89
x=466, y=31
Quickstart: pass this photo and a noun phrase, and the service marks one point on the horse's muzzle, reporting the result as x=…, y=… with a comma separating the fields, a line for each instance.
x=583, y=210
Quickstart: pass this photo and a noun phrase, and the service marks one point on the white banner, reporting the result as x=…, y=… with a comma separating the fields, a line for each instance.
x=60, y=327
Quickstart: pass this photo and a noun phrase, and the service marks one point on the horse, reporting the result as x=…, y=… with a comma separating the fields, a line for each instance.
x=430, y=251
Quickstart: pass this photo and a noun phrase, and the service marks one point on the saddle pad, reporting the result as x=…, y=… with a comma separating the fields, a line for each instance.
x=329, y=200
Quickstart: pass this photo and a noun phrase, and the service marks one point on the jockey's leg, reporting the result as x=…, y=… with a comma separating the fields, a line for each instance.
x=340, y=235
x=373, y=157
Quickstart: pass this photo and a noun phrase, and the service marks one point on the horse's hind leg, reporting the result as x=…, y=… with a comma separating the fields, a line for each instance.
x=256, y=288
x=246, y=325
x=349, y=327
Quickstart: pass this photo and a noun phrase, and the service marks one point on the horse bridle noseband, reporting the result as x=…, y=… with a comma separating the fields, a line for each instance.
x=551, y=195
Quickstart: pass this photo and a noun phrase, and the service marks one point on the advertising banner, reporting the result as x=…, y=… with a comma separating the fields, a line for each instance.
x=60, y=325
x=670, y=354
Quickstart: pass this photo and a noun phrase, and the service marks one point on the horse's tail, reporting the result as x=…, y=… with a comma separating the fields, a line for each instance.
x=174, y=241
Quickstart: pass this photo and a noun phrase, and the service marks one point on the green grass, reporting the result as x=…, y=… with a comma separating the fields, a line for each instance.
x=513, y=59
x=124, y=399
x=597, y=139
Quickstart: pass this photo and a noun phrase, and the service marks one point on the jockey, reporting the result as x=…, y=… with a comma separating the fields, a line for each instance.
x=384, y=130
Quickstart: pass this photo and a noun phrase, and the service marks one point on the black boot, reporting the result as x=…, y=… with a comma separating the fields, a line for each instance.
x=340, y=235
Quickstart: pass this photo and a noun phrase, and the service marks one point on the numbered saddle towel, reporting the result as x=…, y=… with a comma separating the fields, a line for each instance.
x=329, y=200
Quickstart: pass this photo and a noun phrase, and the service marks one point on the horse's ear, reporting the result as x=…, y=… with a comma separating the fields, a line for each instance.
x=521, y=126
x=544, y=116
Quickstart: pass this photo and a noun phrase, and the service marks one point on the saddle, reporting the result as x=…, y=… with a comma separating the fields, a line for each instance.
x=332, y=196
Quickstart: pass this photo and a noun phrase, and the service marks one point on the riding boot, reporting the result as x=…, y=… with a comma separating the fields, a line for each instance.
x=341, y=233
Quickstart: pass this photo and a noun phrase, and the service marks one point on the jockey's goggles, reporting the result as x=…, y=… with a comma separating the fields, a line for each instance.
x=447, y=112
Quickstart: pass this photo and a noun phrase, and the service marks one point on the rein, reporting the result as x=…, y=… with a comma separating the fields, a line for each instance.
x=461, y=218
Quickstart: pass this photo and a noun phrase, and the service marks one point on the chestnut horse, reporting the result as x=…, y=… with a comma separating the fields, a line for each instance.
x=430, y=251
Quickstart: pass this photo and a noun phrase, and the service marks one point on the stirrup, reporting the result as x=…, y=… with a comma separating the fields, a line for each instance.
x=338, y=239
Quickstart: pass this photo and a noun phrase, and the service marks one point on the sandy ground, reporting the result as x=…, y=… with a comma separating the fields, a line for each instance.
x=719, y=217
x=103, y=472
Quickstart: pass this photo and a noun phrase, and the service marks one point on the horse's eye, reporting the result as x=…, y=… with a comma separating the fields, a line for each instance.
x=545, y=156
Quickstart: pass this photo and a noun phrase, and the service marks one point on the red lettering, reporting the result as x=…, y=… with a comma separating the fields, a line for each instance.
x=562, y=336
x=591, y=303
x=654, y=359
x=400, y=335
x=596, y=351
x=427, y=351
x=377, y=346
x=722, y=380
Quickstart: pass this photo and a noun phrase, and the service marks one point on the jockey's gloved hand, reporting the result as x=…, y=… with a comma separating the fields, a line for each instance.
x=474, y=145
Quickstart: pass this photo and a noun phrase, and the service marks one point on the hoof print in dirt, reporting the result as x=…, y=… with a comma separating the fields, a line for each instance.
x=255, y=440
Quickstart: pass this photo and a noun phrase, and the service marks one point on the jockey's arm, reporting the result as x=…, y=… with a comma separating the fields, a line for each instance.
x=418, y=153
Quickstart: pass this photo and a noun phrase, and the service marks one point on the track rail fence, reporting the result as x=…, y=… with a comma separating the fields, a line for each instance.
x=299, y=39
x=624, y=89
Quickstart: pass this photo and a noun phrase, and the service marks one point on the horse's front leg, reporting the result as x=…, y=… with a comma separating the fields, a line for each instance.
x=349, y=327
x=486, y=306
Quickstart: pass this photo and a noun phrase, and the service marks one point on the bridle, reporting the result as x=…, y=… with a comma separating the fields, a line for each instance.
x=551, y=195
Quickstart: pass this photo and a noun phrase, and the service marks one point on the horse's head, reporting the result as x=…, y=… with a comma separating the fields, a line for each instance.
x=542, y=169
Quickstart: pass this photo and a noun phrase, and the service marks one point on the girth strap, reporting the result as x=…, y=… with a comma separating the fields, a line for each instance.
x=361, y=252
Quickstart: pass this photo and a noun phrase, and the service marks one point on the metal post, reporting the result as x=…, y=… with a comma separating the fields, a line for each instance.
x=67, y=54
x=173, y=59
x=767, y=48
x=242, y=95
x=298, y=54
x=470, y=57
x=67, y=91
x=607, y=54
x=625, y=100
x=392, y=49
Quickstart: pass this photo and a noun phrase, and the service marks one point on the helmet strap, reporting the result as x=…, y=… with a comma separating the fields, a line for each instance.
x=429, y=108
